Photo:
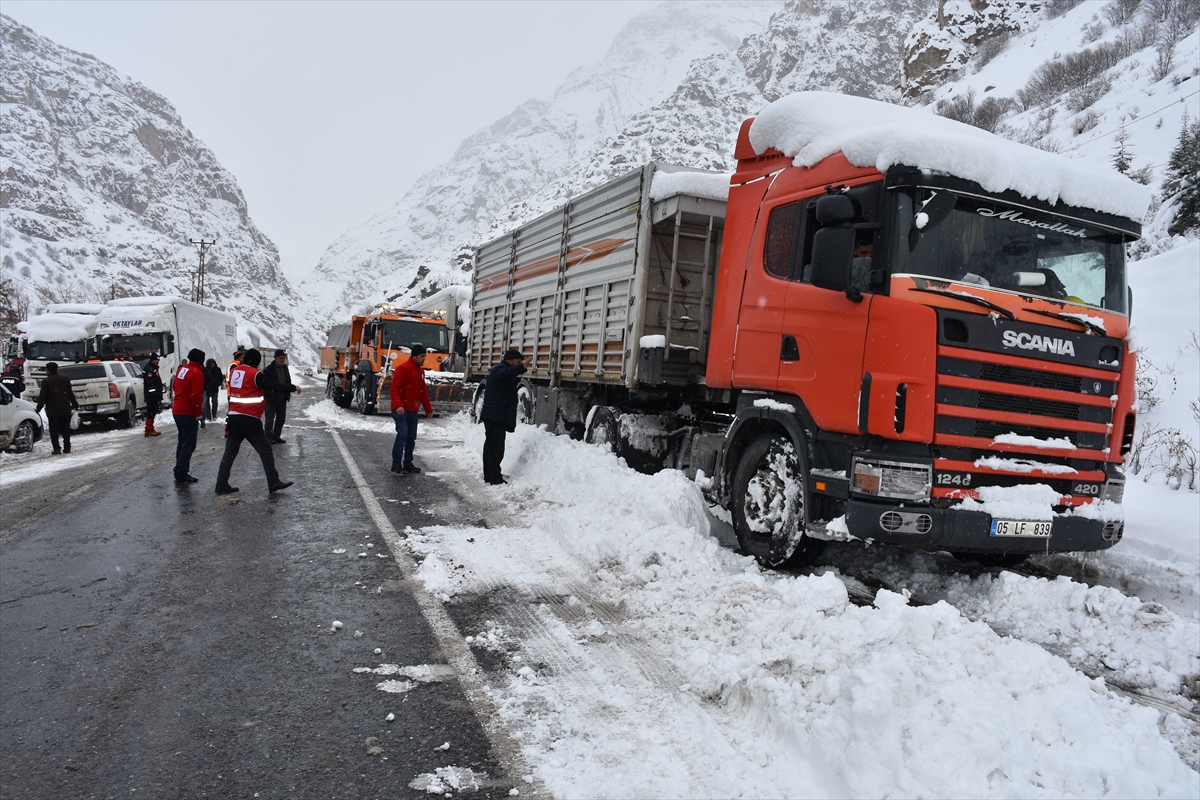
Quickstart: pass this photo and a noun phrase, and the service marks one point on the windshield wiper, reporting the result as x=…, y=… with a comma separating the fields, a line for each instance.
x=967, y=297
x=1090, y=326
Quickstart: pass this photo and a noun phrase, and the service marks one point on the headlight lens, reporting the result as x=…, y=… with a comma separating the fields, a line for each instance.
x=892, y=479
x=1114, y=490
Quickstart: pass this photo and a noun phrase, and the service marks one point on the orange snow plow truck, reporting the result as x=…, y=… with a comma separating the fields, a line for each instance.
x=885, y=325
x=361, y=354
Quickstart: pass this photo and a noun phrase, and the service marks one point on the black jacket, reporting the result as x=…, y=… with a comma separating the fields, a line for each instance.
x=279, y=375
x=13, y=381
x=500, y=395
x=213, y=378
x=57, y=396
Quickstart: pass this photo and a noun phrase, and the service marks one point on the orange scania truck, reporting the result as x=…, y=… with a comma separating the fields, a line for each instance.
x=359, y=356
x=901, y=330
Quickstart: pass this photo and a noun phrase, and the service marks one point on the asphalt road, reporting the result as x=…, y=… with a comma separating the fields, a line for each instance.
x=159, y=640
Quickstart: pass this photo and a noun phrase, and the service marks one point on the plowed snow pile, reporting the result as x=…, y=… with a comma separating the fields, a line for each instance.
x=649, y=661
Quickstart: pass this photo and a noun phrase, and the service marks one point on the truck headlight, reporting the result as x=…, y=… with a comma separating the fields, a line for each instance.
x=892, y=479
x=1114, y=490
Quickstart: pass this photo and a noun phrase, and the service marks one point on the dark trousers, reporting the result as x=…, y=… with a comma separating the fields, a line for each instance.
x=493, y=450
x=60, y=426
x=210, y=405
x=406, y=437
x=188, y=428
x=273, y=419
x=243, y=427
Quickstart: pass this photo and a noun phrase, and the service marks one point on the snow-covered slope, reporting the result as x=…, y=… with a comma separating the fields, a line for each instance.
x=502, y=173
x=103, y=186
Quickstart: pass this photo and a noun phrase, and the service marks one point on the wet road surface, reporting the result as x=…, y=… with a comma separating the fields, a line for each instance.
x=159, y=640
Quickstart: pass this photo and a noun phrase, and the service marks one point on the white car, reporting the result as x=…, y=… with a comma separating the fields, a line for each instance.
x=20, y=425
x=107, y=389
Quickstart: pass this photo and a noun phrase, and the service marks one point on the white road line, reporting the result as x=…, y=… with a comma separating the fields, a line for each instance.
x=470, y=676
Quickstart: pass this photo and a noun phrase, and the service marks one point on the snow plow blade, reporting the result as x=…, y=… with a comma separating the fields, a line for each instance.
x=449, y=390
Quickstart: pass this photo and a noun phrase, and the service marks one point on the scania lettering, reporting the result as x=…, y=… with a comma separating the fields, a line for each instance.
x=852, y=338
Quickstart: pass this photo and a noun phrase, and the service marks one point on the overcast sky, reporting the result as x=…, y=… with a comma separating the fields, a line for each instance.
x=328, y=112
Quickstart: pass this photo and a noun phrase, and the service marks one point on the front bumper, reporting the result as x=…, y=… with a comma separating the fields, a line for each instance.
x=951, y=529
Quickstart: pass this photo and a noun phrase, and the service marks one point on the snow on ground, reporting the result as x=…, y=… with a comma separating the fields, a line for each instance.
x=647, y=660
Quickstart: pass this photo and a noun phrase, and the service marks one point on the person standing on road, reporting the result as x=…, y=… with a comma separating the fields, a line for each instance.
x=13, y=380
x=247, y=401
x=152, y=388
x=499, y=412
x=277, y=372
x=58, y=398
x=187, y=408
x=213, y=378
x=408, y=394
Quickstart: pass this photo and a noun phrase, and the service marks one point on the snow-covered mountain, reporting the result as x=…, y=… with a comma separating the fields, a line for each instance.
x=103, y=186
x=665, y=93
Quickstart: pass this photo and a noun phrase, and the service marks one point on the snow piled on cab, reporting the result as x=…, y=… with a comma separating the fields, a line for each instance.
x=59, y=327
x=810, y=126
x=651, y=661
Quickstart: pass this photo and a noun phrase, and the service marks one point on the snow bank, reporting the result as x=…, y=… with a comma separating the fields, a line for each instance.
x=60, y=327
x=710, y=185
x=675, y=667
x=812, y=125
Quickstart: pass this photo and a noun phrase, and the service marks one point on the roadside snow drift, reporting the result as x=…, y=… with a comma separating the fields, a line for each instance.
x=649, y=661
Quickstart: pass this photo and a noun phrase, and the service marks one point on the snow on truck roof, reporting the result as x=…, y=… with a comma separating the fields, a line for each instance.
x=809, y=126
x=59, y=327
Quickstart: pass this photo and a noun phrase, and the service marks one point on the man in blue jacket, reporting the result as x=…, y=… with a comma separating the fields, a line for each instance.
x=499, y=412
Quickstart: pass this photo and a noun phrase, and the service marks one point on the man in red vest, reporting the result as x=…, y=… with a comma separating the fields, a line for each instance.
x=247, y=401
x=408, y=394
x=187, y=407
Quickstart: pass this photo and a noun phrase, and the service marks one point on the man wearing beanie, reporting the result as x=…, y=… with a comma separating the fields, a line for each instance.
x=408, y=393
x=187, y=408
x=276, y=372
x=247, y=390
x=499, y=412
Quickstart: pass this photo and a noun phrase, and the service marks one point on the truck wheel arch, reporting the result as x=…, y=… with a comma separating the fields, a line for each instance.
x=754, y=421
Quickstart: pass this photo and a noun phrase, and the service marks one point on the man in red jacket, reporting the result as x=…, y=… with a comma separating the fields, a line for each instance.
x=409, y=393
x=187, y=409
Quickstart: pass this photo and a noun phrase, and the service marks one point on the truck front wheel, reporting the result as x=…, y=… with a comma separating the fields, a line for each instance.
x=770, y=503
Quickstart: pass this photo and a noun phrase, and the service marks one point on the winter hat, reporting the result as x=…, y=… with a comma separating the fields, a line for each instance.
x=196, y=354
x=419, y=350
x=252, y=358
x=279, y=353
x=512, y=353
x=153, y=357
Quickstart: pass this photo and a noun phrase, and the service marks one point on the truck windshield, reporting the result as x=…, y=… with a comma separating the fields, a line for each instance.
x=983, y=242
x=401, y=332
x=14, y=349
x=132, y=345
x=57, y=351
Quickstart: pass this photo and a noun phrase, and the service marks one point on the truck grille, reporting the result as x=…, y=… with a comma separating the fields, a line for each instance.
x=978, y=401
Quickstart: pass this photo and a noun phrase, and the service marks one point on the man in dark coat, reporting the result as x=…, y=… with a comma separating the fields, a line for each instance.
x=152, y=388
x=58, y=398
x=277, y=372
x=499, y=412
x=213, y=378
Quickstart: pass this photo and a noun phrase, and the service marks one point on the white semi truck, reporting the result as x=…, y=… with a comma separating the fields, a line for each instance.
x=63, y=333
x=135, y=327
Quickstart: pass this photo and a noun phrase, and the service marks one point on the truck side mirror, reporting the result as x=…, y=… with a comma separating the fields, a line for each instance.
x=168, y=344
x=460, y=344
x=833, y=254
x=834, y=209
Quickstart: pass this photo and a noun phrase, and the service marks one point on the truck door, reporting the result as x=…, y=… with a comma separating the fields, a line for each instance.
x=764, y=301
x=821, y=345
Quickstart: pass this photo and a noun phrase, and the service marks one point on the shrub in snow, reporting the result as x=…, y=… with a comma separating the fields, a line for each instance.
x=986, y=115
x=1074, y=71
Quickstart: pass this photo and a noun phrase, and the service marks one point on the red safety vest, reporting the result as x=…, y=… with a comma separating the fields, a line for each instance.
x=244, y=396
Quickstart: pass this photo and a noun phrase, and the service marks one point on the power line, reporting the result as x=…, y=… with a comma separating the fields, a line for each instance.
x=1137, y=119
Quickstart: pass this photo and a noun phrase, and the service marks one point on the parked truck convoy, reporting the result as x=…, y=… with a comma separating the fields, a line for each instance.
x=132, y=328
x=359, y=356
x=884, y=326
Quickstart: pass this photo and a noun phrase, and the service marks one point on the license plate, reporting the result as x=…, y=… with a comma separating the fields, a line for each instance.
x=1020, y=527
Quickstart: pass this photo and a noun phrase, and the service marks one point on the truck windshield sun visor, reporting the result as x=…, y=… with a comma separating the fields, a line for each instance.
x=987, y=243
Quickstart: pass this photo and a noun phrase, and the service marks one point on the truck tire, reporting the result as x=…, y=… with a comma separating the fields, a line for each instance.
x=525, y=403
x=22, y=441
x=477, y=403
x=603, y=429
x=128, y=418
x=330, y=390
x=770, y=504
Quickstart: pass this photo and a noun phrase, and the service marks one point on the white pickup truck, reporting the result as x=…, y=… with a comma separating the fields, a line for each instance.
x=107, y=389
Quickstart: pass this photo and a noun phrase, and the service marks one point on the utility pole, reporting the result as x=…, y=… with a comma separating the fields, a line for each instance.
x=202, y=246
